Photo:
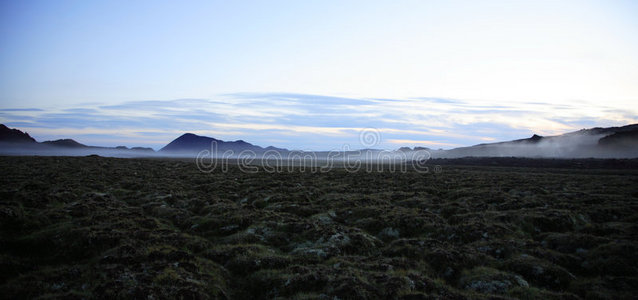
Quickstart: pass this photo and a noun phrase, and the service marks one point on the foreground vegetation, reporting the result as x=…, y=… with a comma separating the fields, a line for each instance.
x=93, y=227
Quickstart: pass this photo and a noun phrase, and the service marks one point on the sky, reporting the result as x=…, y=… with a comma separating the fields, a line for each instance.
x=313, y=75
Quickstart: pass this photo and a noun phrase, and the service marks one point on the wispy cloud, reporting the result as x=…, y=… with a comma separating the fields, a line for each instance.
x=21, y=109
x=311, y=122
x=424, y=143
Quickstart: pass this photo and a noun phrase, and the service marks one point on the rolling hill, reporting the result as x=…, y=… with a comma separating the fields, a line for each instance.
x=189, y=143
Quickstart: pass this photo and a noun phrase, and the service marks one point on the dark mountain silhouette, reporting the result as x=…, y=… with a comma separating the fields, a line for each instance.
x=620, y=142
x=192, y=143
x=607, y=130
x=142, y=149
x=8, y=135
x=417, y=148
x=145, y=149
x=16, y=142
x=534, y=139
x=66, y=143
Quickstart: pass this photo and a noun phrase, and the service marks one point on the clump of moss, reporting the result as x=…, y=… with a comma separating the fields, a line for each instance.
x=490, y=281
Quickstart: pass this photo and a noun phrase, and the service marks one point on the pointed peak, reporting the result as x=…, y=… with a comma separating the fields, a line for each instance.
x=536, y=137
x=193, y=136
x=188, y=134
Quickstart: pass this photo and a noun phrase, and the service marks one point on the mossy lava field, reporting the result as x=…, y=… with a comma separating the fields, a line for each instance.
x=95, y=227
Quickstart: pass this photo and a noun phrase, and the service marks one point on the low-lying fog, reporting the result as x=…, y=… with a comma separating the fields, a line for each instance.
x=565, y=146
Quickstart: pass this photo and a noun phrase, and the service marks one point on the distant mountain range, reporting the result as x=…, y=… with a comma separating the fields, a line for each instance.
x=616, y=142
x=14, y=141
x=610, y=142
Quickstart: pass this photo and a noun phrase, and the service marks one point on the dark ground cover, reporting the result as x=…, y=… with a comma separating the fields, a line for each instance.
x=580, y=163
x=93, y=227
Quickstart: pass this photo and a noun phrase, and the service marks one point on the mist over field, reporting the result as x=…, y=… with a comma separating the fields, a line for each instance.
x=613, y=142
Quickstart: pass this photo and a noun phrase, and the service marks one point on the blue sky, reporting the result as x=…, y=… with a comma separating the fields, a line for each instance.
x=311, y=74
